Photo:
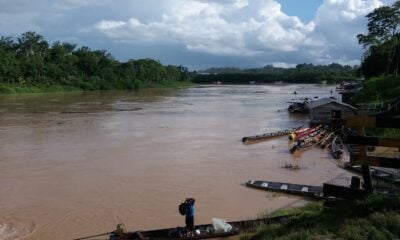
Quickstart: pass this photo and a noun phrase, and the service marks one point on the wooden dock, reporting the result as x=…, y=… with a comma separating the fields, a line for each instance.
x=296, y=189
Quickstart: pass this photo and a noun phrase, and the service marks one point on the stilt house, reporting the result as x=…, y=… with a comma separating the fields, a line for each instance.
x=320, y=111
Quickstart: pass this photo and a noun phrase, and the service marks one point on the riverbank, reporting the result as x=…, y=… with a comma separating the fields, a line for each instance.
x=50, y=88
x=376, y=217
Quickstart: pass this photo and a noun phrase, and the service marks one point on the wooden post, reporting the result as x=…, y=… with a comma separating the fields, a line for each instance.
x=362, y=158
x=365, y=168
x=367, y=179
x=355, y=182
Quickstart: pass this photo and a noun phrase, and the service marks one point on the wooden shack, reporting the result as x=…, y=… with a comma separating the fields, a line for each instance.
x=320, y=111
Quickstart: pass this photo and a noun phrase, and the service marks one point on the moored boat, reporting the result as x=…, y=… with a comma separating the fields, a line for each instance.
x=205, y=231
x=269, y=135
x=337, y=147
x=378, y=173
x=290, y=188
x=201, y=232
x=265, y=136
x=218, y=229
x=307, y=142
x=297, y=107
x=327, y=140
x=303, y=132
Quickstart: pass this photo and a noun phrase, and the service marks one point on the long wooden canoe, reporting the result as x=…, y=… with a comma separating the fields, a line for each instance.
x=337, y=147
x=269, y=135
x=304, y=132
x=305, y=143
x=376, y=173
x=205, y=230
x=296, y=189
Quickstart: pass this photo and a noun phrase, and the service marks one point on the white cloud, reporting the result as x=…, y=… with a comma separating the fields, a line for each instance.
x=252, y=28
x=107, y=25
x=210, y=27
x=231, y=30
x=283, y=65
x=337, y=24
x=70, y=4
x=345, y=10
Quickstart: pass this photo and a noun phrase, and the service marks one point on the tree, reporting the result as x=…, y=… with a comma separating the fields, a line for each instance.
x=9, y=64
x=60, y=61
x=7, y=44
x=383, y=36
x=32, y=50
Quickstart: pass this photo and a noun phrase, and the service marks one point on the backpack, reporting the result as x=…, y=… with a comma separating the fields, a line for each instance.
x=182, y=208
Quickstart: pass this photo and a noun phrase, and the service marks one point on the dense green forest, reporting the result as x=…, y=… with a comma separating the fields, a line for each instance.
x=302, y=73
x=381, y=60
x=31, y=64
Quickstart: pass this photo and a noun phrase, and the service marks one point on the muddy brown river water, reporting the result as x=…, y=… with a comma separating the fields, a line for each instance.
x=77, y=164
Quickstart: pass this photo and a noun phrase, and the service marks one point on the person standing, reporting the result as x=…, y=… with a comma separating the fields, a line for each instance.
x=189, y=219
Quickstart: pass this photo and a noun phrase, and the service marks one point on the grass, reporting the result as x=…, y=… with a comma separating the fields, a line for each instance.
x=377, y=217
x=16, y=88
x=384, y=132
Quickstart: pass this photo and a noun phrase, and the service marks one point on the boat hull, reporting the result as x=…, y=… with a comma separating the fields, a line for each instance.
x=296, y=189
x=237, y=228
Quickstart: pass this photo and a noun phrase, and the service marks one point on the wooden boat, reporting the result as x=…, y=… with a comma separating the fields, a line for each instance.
x=304, y=132
x=269, y=135
x=348, y=87
x=337, y=147
x=309, y=132
x=266, y=136
x=312, y=135
x=327, y=140
x=375, y=173
x=297, y=107
x=309, y=141
x=293, y=134
x=297, y=189
x=203, y=231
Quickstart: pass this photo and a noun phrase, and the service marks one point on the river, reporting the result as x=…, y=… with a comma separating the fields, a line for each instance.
x=76, y=164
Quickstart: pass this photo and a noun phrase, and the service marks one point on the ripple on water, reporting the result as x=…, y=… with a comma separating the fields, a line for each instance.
x=15, y=229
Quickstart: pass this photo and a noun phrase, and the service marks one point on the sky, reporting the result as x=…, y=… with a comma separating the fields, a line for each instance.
x=200, y=34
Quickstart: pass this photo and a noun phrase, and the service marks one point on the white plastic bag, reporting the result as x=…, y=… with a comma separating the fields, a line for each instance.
x=220, y=225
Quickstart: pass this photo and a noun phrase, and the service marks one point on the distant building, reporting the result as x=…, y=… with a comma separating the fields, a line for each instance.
x=320, y=111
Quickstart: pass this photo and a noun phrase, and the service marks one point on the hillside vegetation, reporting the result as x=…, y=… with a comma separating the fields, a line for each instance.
x=30, y=64
x=302, y=73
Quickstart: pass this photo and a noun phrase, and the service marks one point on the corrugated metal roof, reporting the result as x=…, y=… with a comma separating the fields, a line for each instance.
x=324, y=101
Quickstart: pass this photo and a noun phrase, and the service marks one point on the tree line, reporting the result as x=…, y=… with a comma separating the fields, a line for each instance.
x=302, y=73
x=381, y=60
x=32, y=61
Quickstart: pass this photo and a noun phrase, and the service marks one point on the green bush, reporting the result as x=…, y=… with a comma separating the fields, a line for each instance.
x=6, y=89
x=376, y=217
x=379, y=89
